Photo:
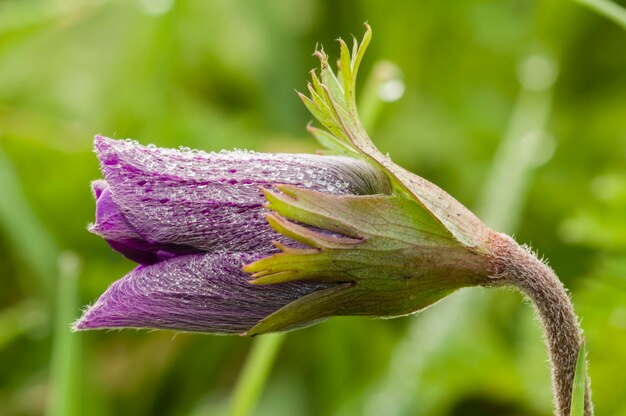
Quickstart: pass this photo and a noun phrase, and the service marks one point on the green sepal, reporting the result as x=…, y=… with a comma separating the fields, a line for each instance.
x=382, y=255
x=307, y=235
x=344, y=299
x=306, y=310
x=374, y=217
x=395, y=258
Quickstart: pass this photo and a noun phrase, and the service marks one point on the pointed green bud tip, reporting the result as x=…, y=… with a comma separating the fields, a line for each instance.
x=385, y=254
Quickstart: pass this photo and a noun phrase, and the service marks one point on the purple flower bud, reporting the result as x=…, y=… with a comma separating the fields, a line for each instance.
x=192, y=220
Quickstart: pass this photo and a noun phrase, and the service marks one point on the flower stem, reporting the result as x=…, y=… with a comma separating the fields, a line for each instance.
x=608, y=9
x=522, y=269
x=255, y=373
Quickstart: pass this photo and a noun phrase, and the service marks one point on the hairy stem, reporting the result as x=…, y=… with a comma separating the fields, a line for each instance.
x=517, y=266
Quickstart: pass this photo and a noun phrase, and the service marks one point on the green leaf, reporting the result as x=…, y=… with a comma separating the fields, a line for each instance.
x=329, y=79
x=580, y=383
x=332, y=143
x=333, y=103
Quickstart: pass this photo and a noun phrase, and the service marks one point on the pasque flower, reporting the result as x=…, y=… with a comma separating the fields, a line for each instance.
x=192, y=220
x=250, y=243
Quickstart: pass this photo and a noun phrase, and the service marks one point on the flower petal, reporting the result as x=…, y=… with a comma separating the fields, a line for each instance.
x=213, y=201
x=112, y=226
x=198, y=292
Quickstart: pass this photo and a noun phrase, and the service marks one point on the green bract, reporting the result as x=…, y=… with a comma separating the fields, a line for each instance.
x=389, y=254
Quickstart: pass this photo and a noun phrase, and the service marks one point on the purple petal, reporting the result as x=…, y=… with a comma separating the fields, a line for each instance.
x=199, y=293
x=213, y=201
x=97, y=187
x=112, y=226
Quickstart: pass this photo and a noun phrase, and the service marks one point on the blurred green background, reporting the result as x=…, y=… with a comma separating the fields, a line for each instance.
x=517, y=108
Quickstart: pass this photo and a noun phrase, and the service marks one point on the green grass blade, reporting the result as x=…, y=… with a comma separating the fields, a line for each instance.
x=23, y=229
x=580, y=383
x=64, y=398
x=255, y=373
x=608, y=9
x=384, y=85
x=26, y=317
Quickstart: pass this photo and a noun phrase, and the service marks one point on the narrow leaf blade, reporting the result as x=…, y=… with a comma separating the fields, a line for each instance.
x=577, y=407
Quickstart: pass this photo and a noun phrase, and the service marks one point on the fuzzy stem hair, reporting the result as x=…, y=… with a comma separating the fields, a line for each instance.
x=517, y=266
